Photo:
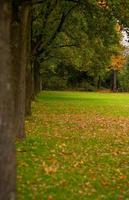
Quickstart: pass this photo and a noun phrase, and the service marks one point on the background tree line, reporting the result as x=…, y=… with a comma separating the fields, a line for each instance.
x=83, y=45
x=68, y=37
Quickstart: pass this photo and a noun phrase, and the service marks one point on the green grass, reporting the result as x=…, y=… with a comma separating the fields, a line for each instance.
x=77, y=148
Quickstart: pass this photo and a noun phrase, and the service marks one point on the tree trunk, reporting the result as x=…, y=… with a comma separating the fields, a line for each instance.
x=28, y=91
x=99, y=82
x=20, y=55
x=25, y=62
x=36, y=78
x=114, y=80
x=7, y=107
x=29, y=70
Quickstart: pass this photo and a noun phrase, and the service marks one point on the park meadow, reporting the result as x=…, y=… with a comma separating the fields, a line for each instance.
x=77, y=147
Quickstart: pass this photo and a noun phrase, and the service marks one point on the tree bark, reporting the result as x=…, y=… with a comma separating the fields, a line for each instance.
x=114, y=80
x=25, y=62
x=20, y=61
x=99, y=82
x=29, y=69
x=28, y=91
x=7, y=107
x=37, y=82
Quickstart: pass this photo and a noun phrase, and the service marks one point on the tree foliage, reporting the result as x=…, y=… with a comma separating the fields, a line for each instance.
x=78, y=33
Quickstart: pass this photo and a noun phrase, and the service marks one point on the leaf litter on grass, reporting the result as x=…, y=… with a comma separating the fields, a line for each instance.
x=74, y=155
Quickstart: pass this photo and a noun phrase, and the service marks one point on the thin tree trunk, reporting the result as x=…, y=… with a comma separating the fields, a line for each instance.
x=36, y=77
x=99, y=82
x=114, y=80
x=33, y=88
x=28, y=91
x=7, y=107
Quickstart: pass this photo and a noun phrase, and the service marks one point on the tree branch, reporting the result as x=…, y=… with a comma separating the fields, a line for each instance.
x=59, y=28
x=64, y=46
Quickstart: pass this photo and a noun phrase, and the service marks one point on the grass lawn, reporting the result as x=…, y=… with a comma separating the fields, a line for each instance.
x=77, y=148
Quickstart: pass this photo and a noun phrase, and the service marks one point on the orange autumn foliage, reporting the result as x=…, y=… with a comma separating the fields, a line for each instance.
x=102, y=3
x=118, y=27
x=117, y=62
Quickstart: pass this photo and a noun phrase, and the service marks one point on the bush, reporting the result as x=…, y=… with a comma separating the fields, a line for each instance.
x=123, y=80
x=86, y=86
x=56, y=83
